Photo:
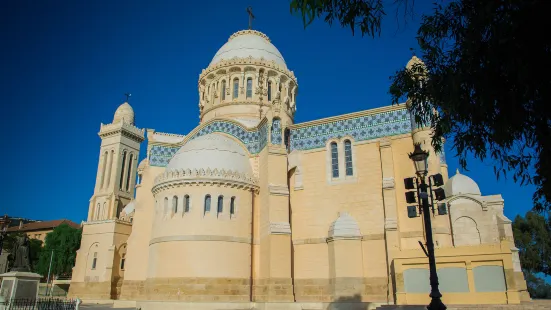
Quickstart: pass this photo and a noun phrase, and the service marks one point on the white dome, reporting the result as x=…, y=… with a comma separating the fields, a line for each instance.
x=461, y=184
x=124, y=113
x=212, y=151
x=130, y=207
x=245, y=43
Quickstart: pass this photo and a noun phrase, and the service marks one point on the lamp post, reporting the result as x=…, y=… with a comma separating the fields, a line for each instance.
x=420, y=160
x=4, y=223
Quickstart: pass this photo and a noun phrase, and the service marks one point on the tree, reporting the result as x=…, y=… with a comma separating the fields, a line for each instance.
x=484, y=76
x=533, y=239
x=63, y=241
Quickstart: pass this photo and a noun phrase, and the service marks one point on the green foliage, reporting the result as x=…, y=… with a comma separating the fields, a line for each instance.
x=485, y=74
x=537, y=287
x=64, y=241
x=366, y=14
x=533, y=239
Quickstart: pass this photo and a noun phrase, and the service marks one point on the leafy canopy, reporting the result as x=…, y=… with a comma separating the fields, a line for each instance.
x=63, y=241
x=485, y=74
x=533, y=239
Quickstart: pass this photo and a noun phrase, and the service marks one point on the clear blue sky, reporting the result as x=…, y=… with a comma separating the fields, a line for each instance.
x=65, y=65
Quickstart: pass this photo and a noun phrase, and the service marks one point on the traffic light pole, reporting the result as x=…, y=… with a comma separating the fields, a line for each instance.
x=436, y=301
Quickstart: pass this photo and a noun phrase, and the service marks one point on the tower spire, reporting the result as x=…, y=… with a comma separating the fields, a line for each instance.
x=251, y=17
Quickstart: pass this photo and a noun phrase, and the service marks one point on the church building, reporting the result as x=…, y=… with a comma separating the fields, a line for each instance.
x=252, y=210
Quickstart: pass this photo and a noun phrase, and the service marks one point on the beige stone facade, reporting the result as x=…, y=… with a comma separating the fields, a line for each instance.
x=251, y=208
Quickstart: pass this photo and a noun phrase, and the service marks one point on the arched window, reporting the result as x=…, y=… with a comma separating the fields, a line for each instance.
x=122, y=169
x=129, y=172
x=175, y=204
x=123, y=260
x=249, y=87
x=95, y=260
x=111, y=155
x=235, y=88
x=269, y=90
x=207, y=204
x=334, y=160
x=104, y=165
x=232, y=206
x=208, y=90
x=223, y=91
x=186, y=203
x=348, y=157
x=220, y=204
x=98, y=210
x=166, y=205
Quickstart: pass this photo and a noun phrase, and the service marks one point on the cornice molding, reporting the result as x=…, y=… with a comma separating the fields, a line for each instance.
x=176, y=178
x=127, y=130
x=224, y=63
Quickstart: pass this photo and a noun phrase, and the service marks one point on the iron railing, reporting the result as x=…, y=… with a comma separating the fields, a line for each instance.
x=39, y=304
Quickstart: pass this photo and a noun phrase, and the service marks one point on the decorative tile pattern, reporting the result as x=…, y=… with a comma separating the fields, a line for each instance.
x=276, y=132
x=160, y=155
x=360, y=128
x=254, y=140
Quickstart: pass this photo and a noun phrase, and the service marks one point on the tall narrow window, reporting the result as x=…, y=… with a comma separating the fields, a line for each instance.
x=186, y=203
x=123, y=260
x=104, y=165
x=334, y=160
x=122, y=169
x=104, y=211
x=220, y=204
x=208, y=90
x=98, y=210
x=223, y=91
x=269, y=90
x=348, y=157
x=249, y=88
x=232, y=206
x=109, y=165
x=175, y=204
x=95, y=260
x=207, y=204
x=165, y=206
x=235, y=88
x=129, y=172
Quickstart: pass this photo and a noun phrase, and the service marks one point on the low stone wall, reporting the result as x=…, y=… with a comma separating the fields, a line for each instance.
x=188, y=289
x=328, y=290
x=273, y=290
x=90, y=290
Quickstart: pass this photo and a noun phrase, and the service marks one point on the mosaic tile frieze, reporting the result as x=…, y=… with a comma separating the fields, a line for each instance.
x=254, y=140
x=276, y=132
x=360, y=128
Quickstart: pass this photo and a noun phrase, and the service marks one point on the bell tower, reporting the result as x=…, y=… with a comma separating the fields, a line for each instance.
x=118, y=161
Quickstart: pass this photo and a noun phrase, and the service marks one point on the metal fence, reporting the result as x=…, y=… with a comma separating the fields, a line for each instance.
x=39, y=304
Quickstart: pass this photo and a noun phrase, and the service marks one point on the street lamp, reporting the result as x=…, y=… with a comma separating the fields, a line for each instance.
x=4, y=223
x=420, y=160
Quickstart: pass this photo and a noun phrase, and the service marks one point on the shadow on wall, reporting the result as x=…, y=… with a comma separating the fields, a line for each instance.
x=350, y=303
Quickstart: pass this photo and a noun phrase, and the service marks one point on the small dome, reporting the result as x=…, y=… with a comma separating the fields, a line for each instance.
x=143, y=163
x=344, y=226
x=245, y=43
x=461, y=184
x=130, y=207
x=124, y=113
x=212, y=151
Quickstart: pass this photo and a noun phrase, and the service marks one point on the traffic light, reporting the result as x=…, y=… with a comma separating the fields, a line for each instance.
x=438, y=180
x=412, y=211
x=442, y=209
x=439, y=194
x=410, y=197
x=409, y=183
